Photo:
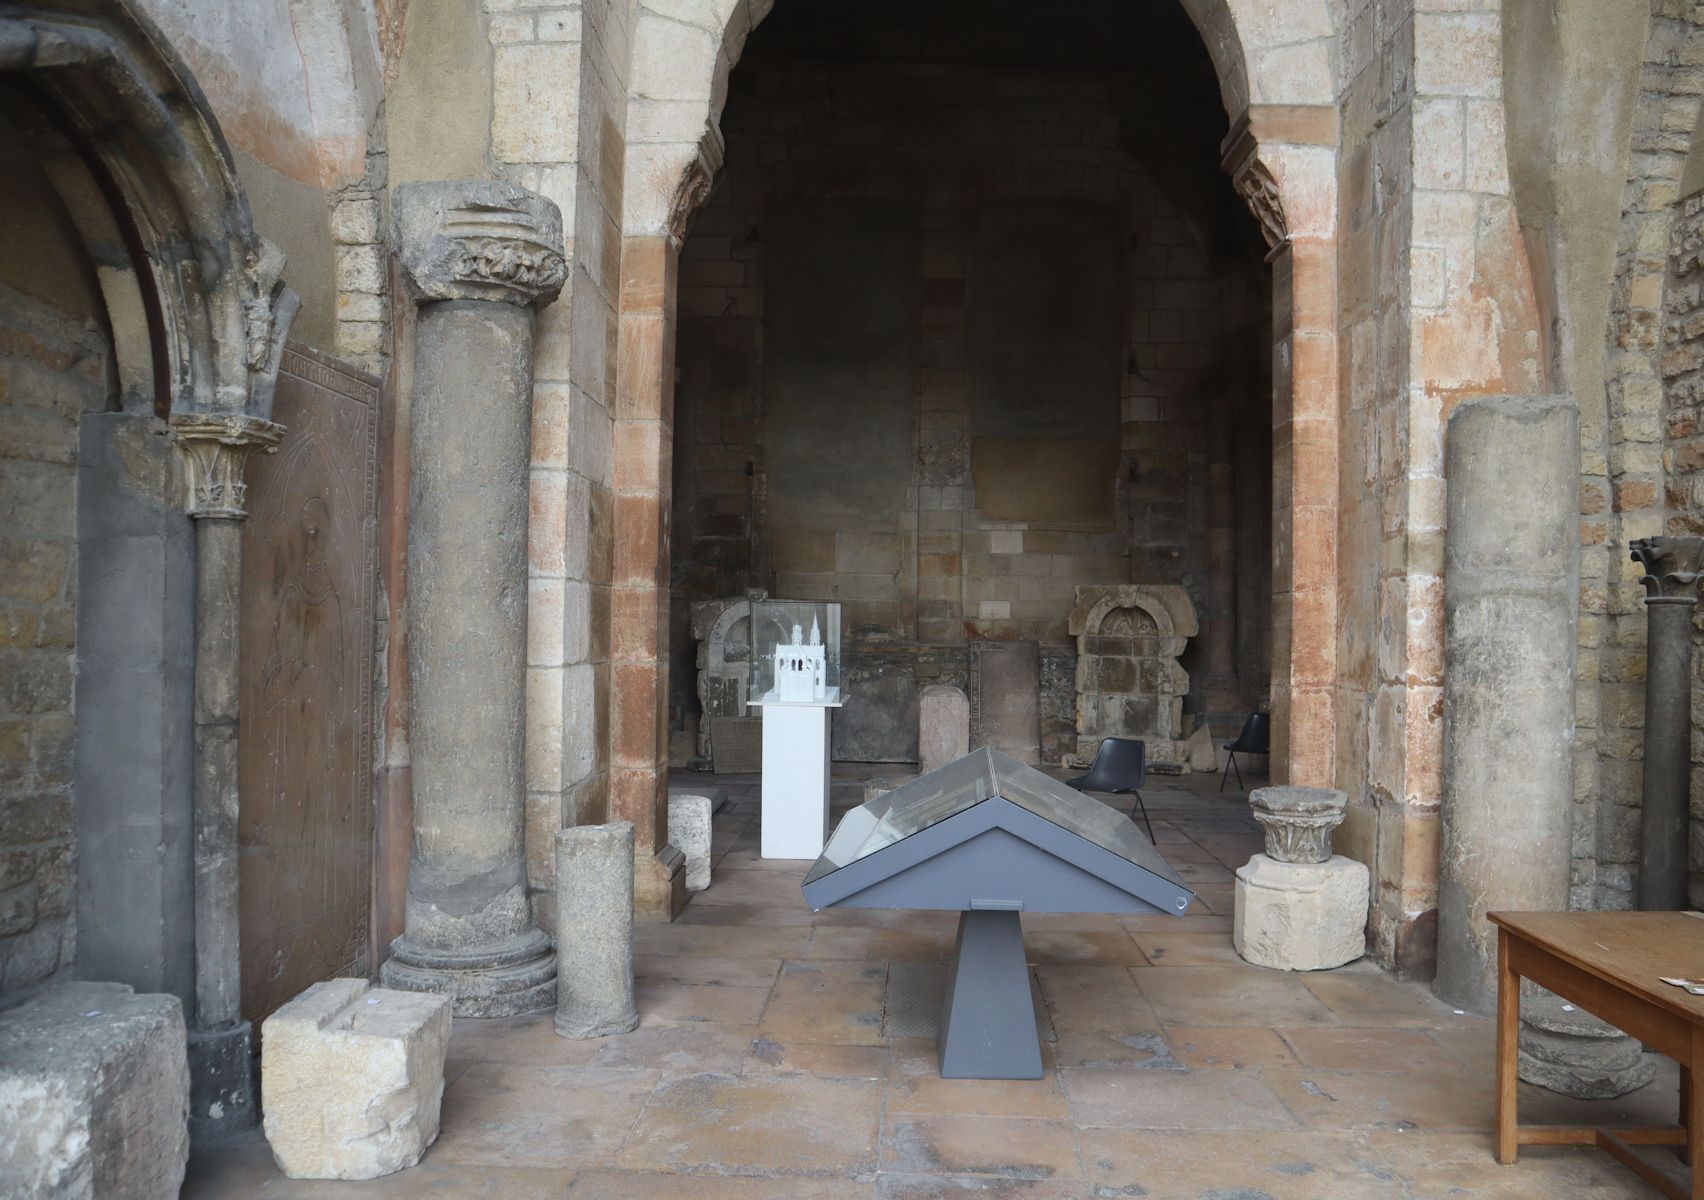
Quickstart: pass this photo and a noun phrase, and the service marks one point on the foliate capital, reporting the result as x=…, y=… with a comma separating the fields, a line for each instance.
x=1672, y=565
x=480, y=241
x=216, y=446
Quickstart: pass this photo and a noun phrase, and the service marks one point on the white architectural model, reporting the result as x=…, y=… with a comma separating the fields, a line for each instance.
x=801, y=670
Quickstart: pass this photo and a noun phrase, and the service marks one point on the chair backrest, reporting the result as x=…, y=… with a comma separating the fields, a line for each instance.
x=1256, y=735
x=1120, y=764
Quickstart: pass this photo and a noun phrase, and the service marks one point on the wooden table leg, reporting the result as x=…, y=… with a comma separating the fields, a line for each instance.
x=1692, y=1111
x=1685, y=1150
x=1508, y=1041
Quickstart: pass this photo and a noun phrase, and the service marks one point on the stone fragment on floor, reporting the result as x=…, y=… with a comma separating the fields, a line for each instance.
x=689, y=831
x=594, y=941
x=94, y=1095
x=352, y=1078
x=1567, y=1050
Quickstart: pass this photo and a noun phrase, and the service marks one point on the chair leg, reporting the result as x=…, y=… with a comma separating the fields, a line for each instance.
x=1240, y=786
x=1144, y=810
x=1226, y=773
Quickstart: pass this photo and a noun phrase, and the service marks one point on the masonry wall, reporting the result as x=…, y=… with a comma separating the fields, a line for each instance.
x=881, y=448
x=54, y=366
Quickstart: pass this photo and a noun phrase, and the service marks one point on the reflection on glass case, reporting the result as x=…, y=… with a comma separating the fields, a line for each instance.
x=795, y=652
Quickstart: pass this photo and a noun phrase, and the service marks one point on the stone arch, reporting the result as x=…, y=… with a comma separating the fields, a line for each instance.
x=1277, y=83
x=1129, y=682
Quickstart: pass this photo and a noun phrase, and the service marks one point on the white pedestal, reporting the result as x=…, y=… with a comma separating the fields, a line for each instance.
x=795, y=777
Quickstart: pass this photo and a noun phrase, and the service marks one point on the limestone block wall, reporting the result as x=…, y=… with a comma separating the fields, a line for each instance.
x=53, y=368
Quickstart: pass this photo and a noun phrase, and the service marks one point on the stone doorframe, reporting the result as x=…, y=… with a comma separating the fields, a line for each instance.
x=1275, y=81
x=199, y=319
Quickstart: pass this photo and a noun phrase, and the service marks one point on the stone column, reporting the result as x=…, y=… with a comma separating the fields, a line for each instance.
x=1511, y=594
x=1672, y=567
x=216, y=447
x=477, y=258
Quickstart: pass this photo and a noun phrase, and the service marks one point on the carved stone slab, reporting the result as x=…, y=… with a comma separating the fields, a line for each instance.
x=1005, y=683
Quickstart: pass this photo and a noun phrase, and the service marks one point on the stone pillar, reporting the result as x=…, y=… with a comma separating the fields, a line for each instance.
x=216, y=447
x=1511, y=594
x=477, y=257
x=1218, y=691
x=1672, y=567
x=594, y=898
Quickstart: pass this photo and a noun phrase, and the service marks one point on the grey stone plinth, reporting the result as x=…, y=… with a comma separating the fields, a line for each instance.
x=1301, y=916
x=943, y=726
x=689, y=831
x=352, y=1079
x=94, y=1095
x=1511, y=604
x=1298, y=821
x=1567, y=1050
x=594, y=905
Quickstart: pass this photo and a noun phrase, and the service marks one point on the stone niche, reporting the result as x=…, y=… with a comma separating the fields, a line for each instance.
x=723, y=631
x=1129, y=683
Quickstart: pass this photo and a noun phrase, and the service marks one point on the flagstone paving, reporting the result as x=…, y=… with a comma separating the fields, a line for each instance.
x=785, y=1055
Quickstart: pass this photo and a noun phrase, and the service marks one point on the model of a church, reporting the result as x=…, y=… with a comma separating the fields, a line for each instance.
x=801, y=668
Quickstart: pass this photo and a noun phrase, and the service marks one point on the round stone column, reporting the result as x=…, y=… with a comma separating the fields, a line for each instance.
x=1511, y=595
x=478, y=257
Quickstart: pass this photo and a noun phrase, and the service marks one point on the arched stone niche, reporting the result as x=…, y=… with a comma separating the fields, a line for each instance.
x=723, y=630
x=1129, y=683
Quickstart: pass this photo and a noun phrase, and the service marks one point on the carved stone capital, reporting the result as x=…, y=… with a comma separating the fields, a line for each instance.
x=480, y=241
x=1298, y=821
x=216, y=447
x=1672, y=568
x=1255, y=183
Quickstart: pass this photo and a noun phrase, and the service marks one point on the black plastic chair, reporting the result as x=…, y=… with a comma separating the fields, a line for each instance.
x=1255, y=738
x=1120, y=767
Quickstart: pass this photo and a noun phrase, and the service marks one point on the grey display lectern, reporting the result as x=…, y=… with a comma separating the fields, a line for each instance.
x=991, y=838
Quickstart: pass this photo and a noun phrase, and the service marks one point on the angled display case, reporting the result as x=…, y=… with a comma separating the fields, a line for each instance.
x=991, y=838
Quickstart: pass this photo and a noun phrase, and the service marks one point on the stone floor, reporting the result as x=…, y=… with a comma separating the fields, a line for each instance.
x=786, y=1056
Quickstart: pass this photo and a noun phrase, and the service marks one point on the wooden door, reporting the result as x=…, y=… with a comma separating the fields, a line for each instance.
x=306, y=762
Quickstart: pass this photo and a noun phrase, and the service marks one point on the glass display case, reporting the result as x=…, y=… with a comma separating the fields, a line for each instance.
x=795, y=652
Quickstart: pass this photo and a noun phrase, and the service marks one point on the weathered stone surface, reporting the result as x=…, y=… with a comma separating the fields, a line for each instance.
x=94, y=1094
x=1005, y=712
x=689, y=830
x=1566, y=1049
x=594, y=904
x=1203, y=755
x=1301, y=916
x=943, y=726
x=1298, y=821
x=1129, y=683
x=880, y=785
x=352, y=1078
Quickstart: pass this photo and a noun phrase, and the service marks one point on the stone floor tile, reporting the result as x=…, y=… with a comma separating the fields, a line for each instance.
x=827, y=1003
x=1361, y=994
x=741, y=914
x=915, y=1087
x=242, y=1166
x=530, y=1039
x=1136, y=1099
x=896, y=944
x=674, y=1003
x=721, y=941
x=1471, y=1041
x=765, y=1056
x=850, y=943
x=505, y=1114
x=1166, y=923
x=1096, y=999
x=902, y=1186
x=1071, y=923
x=1230, y=996
x=1354, y=1049
x=737, y=1124
x=688, y=1048
x=1149, y=1050
x=661, y=1185
x=1065, y=948
x=1167, y=949
x=1200, y=1047
x=1009, y=1147
x=775, y=886
x=1462, y=1164
x=704, y=969
x=1289, y=1165
x=1372, y=1100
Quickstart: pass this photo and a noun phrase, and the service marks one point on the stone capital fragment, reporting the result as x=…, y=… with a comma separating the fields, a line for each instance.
x=480, y=241
x=216, y=447
x=1672, y=565
x=1298, y=821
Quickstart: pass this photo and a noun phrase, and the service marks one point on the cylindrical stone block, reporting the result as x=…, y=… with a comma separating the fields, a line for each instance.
x=1511, y=591
x=594, y=948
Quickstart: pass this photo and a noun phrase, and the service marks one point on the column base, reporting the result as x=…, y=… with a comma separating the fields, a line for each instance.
x=501, y=980
x=222, y=1095
x=659, y=885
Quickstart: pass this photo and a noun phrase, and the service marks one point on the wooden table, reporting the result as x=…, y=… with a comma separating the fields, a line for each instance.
x=1610, y=964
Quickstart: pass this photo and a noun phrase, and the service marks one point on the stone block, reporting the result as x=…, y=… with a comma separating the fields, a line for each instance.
x=351, y=1079
x=1566, y=1049
x=689, y=829
x=94, y=1094
x=943, y=726
x=594, y=948
x=1301, y=916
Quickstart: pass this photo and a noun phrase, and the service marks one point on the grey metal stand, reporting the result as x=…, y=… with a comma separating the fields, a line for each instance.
x=988, y=1018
